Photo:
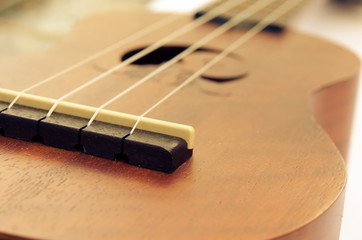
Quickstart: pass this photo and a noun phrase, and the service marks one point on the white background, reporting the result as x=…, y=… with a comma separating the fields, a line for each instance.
x=339, y=23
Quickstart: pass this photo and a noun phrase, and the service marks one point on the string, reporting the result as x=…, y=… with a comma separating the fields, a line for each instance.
x=114, y=46
x=198, y=22
x=220, y=30
x=278, y=12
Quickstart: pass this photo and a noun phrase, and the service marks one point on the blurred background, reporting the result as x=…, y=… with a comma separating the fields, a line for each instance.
x=32, y=25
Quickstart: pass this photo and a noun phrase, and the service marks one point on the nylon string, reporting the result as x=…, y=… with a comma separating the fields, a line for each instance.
x=217, y=32
x=278, y=12
x=113, y=47
x=194, y=24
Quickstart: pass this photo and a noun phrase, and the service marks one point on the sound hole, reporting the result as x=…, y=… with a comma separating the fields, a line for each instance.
x=230, y=68
x=160, y=55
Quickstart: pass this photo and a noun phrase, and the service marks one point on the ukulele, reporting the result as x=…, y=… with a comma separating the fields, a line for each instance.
x=271, y=122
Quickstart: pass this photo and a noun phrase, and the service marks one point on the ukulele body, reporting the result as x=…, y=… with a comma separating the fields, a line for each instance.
x=262, y=168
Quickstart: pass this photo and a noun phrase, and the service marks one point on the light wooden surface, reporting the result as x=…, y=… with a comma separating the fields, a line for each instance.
x=35, y=25
x=262, y=166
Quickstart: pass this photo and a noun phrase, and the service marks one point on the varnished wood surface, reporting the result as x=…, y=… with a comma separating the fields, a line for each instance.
x=332, y=107
x=262, y=166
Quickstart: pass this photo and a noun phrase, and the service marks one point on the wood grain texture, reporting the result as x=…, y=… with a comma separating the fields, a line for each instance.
x=262, y=166
x=332, y=106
